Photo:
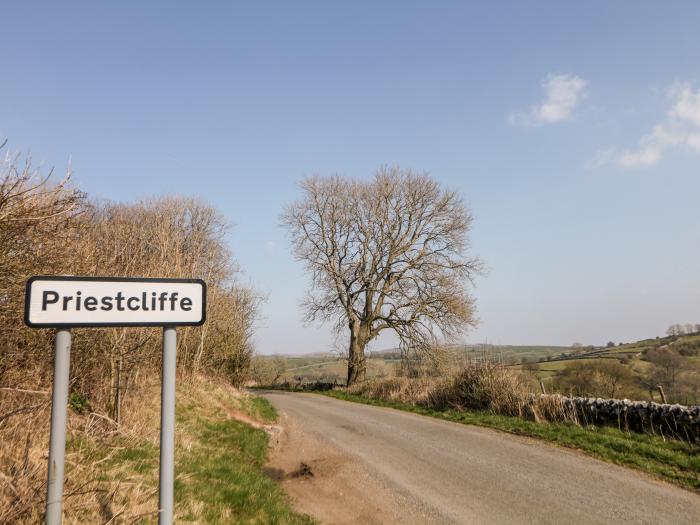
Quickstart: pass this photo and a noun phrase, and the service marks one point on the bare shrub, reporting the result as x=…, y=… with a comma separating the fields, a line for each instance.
x=164, y=237
x=414, y=391
x=38, y=219
x=606, y=378
x=482, y=386
x=52, y=228
x=23, y=434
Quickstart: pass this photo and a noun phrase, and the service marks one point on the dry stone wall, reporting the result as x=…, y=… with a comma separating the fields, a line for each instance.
x=642, y=416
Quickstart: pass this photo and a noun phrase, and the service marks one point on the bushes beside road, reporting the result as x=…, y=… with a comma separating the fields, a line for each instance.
x=50, y=227
x=479, y=386
x=494, y=388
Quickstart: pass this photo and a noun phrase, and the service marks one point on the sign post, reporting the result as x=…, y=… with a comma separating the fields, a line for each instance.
x=59, y=414
x=64, y=302
x=167, y=428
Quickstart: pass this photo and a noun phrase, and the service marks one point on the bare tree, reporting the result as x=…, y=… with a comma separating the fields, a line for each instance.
x=675, y=329
x=390, y=253
x=667, y=367
x=38, y=218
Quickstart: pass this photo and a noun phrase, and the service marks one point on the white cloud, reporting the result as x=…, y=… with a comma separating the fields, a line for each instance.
x=270, y=246
x=601, y=158
x=680, y=128
x=647, y=156
x=563, y=94
x=687, y=103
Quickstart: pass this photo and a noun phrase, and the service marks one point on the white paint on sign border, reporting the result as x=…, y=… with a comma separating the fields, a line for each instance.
x=67, y=302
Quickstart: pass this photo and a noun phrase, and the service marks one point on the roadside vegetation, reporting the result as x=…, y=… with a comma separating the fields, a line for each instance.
x=48, y=226
x=112, y=475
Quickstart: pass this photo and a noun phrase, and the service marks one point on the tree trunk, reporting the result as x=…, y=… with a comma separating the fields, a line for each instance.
x=356, y=356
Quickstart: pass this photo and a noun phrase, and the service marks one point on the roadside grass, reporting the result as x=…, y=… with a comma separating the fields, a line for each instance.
x=219, y=466
x=220, y=478
x=261, y=409
x=670, y=460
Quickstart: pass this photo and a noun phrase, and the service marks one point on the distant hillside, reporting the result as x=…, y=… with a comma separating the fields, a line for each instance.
x=634, y=370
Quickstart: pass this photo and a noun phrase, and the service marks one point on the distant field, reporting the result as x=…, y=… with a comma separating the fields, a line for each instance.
x=544, y=362
x=330, y=368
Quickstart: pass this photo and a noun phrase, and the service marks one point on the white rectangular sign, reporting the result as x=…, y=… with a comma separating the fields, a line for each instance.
x=64, y=302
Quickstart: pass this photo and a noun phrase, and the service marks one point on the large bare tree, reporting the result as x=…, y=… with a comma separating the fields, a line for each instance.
x=389, y=253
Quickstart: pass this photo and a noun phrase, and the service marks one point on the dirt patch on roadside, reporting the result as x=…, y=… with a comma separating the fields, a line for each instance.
x=273, y=431
x=331, y=486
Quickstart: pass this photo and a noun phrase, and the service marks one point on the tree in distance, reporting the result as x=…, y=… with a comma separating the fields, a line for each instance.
x=389, y=253
x=597, y=378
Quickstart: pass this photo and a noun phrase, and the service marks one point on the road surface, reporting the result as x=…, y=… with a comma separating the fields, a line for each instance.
x=364, y=464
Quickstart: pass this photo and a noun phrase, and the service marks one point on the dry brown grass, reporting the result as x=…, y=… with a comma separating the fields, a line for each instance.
x=482, y=386
x=111, y=473
x=93, y=487
x=478, y=386
x=23, y=425
x=414, y=391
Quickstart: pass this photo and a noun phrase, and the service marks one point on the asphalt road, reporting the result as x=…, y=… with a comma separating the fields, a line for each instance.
x=464, y=474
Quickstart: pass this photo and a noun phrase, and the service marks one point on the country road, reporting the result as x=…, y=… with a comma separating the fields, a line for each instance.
x=376, y=465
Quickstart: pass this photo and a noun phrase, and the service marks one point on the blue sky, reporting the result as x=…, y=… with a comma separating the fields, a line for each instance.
x=571, y=129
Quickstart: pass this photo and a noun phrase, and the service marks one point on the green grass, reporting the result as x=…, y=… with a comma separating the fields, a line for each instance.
x=220, y=478
x=223, y=473
x=219, y=465
x=261, y=409
x=673, y=461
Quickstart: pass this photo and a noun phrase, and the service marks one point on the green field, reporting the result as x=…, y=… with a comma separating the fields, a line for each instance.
x=330, y=368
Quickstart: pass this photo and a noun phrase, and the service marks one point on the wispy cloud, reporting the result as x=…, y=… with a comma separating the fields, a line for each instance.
x=601, y=158
x=563, y=94
x=680, y=128
x=269, y=246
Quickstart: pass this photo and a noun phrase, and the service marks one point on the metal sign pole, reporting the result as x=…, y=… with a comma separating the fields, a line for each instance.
x=59, y=414
x=167, y=428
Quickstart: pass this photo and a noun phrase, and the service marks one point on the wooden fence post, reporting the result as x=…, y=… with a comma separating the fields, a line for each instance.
x=663, y=395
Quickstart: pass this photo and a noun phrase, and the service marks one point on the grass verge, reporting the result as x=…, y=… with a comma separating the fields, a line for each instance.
x=670, y=460
x=220, y=478
x=219, y=466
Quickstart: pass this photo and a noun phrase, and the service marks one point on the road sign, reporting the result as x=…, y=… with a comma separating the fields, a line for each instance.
x=65, y=302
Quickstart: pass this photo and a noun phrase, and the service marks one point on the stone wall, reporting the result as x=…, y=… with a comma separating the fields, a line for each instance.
x=678, y=421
